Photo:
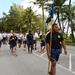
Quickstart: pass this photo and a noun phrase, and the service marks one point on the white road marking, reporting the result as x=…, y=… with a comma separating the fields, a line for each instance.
x=41, y=57
x=72, y=54
x=42, y=54
x=70, y=62
x=36, y=51
x=57, y=64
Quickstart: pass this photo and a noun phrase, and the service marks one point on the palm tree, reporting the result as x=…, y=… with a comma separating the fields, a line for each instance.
x=29, y=16
x=70, y=16
x=41, y=4
x=58, y=7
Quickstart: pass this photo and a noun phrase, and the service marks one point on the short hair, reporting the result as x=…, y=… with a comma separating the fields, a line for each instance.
x=54, y=24
x=30, y=31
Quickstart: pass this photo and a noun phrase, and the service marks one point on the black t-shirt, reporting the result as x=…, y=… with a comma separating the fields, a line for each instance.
x=13, y=39
x=30, y=37
x=56, y=40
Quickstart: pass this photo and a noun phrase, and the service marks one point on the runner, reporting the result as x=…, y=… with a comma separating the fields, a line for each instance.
x=1, y=40
x=42, y=37
x=10, y=34
x=24, y=42
x=54, y=54
x=30, y=41
x=4, y=38
x=13, y=43
x=20, y=39
x=35, y=40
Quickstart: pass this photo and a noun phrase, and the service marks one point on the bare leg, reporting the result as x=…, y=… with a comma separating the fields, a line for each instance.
x=24, y=47
x=53, y=68
x=15, y=50
x=31, y=48
x=28, y=48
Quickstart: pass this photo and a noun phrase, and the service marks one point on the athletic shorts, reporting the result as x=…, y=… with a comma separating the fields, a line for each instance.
x=34, y=41
x=30, y=42
x=24, y=42
x=55, y=53
x=42, y=43
x=0, y=43
x=4, y=38
x=13, y=45
x=19, y=41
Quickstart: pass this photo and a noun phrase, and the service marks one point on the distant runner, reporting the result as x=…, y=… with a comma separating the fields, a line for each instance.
x=13, y=42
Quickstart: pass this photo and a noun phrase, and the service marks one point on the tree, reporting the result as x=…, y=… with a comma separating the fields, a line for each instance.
x=70, y=16
x=41, y=4
x=20, y=20
x=58, y=8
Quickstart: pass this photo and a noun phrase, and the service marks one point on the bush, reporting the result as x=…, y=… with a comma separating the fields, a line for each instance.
x=69, y=42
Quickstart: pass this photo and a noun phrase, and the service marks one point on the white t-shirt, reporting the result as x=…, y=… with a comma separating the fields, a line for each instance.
x=35, y=36
x=24, y=38
x=20, y=36
x=4, y=35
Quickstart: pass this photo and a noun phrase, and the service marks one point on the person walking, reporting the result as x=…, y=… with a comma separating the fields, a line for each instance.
x=57, y=41
x=1, y=40
x=20, y=36
x=30, y=41
x=24, y=42
x=42, y=37
x=35, y=35
x=13, y=42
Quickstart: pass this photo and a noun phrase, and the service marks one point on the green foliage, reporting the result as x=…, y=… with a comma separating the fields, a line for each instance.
x=20, y=20
x=69, y=42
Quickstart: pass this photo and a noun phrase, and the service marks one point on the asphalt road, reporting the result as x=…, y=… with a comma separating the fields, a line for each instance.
x=34, y=64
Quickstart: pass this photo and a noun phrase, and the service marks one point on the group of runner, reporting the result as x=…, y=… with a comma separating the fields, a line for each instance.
x=30, y=39
x=17, y=39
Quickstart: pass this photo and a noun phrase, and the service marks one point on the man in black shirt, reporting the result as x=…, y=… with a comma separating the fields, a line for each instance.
x=30, y=41
x=57, y=41
x=13, y=42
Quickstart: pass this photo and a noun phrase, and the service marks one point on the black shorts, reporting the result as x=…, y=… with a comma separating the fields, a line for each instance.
x=30, y=42
x=13, y=45
x=19, y=41
x=24, y=42
x=34, y=41
x=0, y=43
x=4, y=38
x=42, y=43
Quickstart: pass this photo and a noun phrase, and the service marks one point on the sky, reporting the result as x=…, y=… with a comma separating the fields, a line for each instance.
x=5, y=5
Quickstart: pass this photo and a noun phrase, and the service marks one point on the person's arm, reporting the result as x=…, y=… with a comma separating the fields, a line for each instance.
x=48, y=50
x=10, y=38
x=16, y=40
x=48, y=46
x=27, y=38
x=64, y=46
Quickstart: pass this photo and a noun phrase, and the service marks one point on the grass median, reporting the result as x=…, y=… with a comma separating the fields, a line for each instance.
x=69, y=42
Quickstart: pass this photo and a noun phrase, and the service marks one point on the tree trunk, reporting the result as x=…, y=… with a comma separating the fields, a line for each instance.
x=43, y=19
x=70, y=16
x=67, y=30
x=58, y=19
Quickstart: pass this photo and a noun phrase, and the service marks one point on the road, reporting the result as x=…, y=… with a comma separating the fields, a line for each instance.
x=34, y=64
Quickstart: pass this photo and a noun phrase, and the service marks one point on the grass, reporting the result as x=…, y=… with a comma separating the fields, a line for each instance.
x=69, y=42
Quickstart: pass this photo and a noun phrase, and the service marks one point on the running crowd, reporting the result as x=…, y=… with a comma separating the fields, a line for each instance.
x=17, y=39
x=30, y=39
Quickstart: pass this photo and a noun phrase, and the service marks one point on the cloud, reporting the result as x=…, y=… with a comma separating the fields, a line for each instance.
x=26, y=4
